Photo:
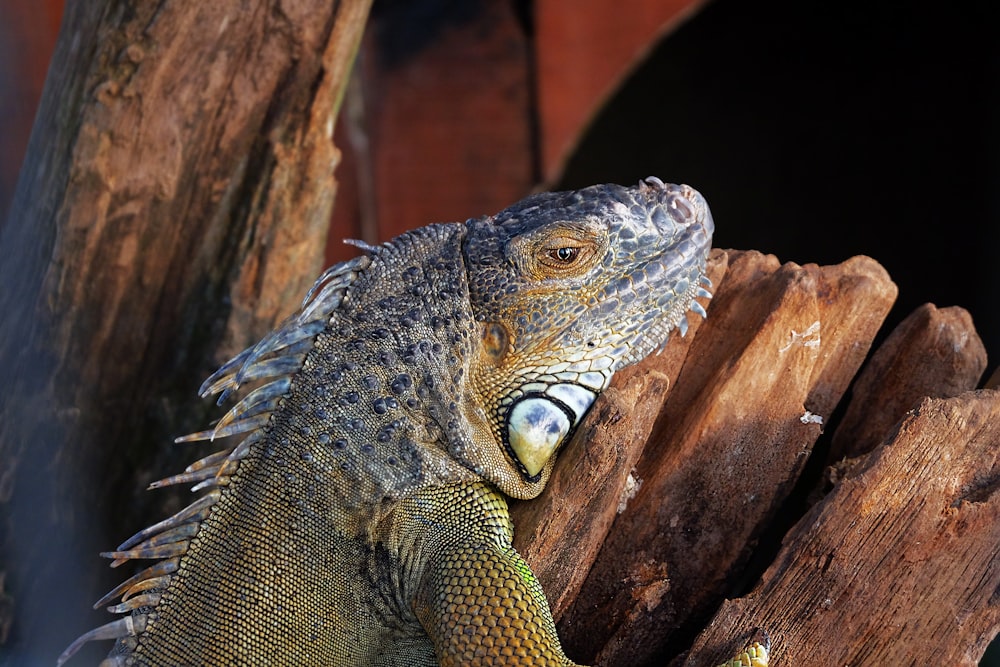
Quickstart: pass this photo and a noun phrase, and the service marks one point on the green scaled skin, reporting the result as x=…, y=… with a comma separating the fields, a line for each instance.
x=359, y=515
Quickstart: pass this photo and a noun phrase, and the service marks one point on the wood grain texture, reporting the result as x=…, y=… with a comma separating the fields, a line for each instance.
x=765, y=371
x=933, y=352
x=899, y=565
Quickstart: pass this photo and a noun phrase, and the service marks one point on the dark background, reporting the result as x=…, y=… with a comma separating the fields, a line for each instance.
x=819, y=131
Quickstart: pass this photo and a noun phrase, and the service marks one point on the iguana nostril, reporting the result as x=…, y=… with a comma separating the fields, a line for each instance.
x=680, y=209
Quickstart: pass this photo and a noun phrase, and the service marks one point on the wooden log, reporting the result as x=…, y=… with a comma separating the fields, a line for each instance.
x=935, y=353
x=899, y=565
x=778, y=349
x=908, y=530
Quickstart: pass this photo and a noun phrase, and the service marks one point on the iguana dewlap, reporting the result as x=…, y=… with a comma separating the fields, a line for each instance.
x=358, y=517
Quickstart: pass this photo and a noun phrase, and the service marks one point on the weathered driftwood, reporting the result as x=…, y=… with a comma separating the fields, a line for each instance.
x=739, y=409
x=900, y=564
x=932, y=353
x=760, y=378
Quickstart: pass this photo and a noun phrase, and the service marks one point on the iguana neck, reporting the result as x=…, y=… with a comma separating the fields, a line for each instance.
x=381, y=396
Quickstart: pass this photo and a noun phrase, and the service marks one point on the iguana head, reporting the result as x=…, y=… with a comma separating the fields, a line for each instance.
x=567, y=288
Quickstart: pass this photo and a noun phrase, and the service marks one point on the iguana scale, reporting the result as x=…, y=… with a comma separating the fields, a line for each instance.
x=359, y=516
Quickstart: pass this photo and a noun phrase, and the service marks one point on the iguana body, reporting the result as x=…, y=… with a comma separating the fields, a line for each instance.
x=362, y=520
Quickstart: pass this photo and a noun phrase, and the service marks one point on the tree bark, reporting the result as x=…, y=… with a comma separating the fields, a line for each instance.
x=760, y=380
x=932, y=353
x=182, y=158
x=899, y=565
x=690, y=470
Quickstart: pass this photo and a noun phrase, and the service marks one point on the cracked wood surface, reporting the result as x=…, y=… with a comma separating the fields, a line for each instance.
x=710, y=440
x=899, y=564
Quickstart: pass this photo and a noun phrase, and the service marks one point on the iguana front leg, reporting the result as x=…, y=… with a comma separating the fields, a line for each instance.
x=477, y=599
x=485, y=607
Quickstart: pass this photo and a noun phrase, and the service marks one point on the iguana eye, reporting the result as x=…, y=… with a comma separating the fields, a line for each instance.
x=564, y=255
x=559, y=252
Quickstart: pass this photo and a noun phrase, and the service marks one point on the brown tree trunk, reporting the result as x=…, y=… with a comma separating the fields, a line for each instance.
x=689, y=472
x=182, y=158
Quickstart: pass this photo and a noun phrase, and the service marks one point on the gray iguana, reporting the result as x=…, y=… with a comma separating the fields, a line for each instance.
x=359, y=516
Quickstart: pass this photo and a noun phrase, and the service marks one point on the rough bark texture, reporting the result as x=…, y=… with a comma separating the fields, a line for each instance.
x=778, y=349
x=898, y=562
x=933, y=353
x=182, y=158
